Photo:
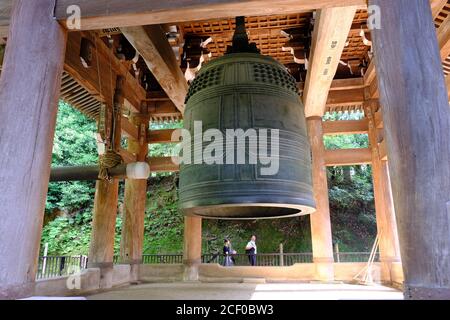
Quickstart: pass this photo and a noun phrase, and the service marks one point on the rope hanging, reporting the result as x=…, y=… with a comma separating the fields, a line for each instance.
x=108, y=161
x=111, y=158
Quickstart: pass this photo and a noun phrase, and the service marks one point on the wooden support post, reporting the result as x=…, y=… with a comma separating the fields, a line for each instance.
x=322, y=244
x=385, y=213
x=192, y=247
x=134, y=202
x=101, y=251
x=29, y=90
x=417, y=124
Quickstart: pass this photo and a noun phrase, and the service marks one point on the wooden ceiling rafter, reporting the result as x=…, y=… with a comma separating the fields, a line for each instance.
x=153, y=46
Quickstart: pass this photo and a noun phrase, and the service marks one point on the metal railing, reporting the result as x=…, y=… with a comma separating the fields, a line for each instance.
x=265, y=259
x=55, y=266
x=50, y=267
x=162, y=258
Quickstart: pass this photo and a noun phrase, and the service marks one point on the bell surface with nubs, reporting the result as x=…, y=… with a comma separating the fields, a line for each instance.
x=260, y=166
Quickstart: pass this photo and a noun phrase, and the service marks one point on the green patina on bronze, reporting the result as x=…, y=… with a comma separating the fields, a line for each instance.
x=245, y=90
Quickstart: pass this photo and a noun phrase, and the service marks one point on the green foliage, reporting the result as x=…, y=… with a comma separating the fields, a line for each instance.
x=163, y=149
x=164, y=223
x=351, y=193
x=74, y=144
x=68, y=235
x=345, y=141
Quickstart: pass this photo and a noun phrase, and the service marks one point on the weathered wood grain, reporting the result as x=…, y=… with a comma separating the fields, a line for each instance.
x=416, y=117
x=151, y=42
x=321, y=237
x=116, y=13
x=29, y=90
x=331, y=30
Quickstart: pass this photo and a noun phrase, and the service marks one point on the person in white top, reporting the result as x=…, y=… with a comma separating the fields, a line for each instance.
x=251, y=250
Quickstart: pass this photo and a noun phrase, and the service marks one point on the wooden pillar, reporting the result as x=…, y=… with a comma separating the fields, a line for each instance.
x=322, y=243
x=192, y=247
x=416, y=116
x=134, y=202
x=385, y=213
x=101, y=251
x=29, y=90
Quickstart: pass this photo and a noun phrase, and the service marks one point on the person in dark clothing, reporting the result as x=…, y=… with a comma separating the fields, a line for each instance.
x=251, y=250
x=228, y=254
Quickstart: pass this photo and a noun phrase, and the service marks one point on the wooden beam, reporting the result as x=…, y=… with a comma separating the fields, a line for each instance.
x=160, y=109
x=321, y=236
x=192, y=248
x=348, y=157
x=417, y=125
x=99, y=79
x=371, y=73
x=345, y=127
x=161, y=136
x=370, y=80
x=344, y=92
x=339, y=84
x=331, y=30
x=163, y=164
x=129, y=129
x=131, y=107
x=378, y=118
x=4, y=31
x=135, y=197
x=382, y=151
x=347, y=84
x=443, y=35
x=101, y=248
x=345, y=97
x=151, y=42
x=436, y=7
x=113, y=13
x=384, y=209
x=447, y=84
x=127, y=156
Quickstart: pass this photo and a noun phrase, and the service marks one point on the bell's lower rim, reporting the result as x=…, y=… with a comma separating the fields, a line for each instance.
x=248, y=211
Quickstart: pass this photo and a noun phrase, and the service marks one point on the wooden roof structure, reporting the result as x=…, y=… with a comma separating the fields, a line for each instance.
x=139, y=56
x=272, y=35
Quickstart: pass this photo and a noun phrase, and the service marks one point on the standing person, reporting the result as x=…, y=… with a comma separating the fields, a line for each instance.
x=227, y=252
x=251, y=250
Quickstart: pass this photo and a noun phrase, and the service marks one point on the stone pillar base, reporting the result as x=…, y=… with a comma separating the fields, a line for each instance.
x=18, y=291
x=106, y=274
x=386, y=272
x=191, y=270
x=324, y=270
x=134, y=272
x=412, y=292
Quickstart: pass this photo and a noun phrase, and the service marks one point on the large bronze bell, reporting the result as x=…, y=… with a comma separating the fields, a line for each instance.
x=246, y=90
